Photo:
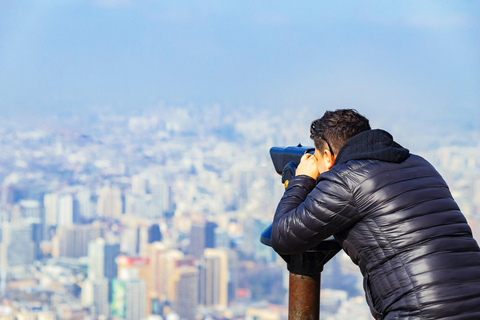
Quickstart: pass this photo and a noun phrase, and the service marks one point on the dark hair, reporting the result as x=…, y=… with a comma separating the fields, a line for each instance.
x=335, y=128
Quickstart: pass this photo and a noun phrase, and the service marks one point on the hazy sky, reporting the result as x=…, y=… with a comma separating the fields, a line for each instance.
x=398, y=58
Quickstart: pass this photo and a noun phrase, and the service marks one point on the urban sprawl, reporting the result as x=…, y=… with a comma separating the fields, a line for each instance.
x=159, y=215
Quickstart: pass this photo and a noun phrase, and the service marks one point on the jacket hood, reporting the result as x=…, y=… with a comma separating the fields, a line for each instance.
x=374, y=144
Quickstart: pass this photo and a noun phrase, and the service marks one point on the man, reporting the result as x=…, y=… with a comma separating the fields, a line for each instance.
x=392, y=213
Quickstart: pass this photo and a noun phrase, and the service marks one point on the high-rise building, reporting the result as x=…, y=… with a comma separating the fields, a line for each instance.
x=202, y=235
x=37, y=238
x=102, y=258
x=60, y=209
x=110, y=260
x=161, y=193
x=210, y=234
x=30, y=209
x=66, y=214
x=110, y=202
x=233, y=274
x=186, y=289
x=17, y=243
x=154, y=233
x=72, y=241
x=128, y=240
x=128, y=299
x=164, y=263
x=142, y=241
x=50, y=202
x=95, y=294
x=137, y=268
x=214, y=278
x=85, y=204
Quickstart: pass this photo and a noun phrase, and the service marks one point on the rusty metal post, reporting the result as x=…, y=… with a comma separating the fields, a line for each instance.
x=305, y=273
x=304, y=297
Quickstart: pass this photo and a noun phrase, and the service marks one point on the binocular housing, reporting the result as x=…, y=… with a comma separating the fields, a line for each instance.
x=286, y=159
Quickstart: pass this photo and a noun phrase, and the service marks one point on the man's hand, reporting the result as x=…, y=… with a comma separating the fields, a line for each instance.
x=308, y=166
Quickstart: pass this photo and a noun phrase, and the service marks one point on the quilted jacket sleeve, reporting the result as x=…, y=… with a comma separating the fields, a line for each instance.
x=309, y=213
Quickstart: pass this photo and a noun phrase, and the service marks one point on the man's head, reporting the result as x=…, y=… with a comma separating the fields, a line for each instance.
x=332, y=131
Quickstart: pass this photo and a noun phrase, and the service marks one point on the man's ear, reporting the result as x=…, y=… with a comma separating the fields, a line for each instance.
x=328, y=158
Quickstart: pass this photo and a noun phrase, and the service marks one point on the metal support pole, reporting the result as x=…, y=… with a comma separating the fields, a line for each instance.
x=305, y=273
x=304, y=297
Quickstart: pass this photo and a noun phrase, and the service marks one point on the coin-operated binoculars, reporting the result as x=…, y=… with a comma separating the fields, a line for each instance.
x=305, y=268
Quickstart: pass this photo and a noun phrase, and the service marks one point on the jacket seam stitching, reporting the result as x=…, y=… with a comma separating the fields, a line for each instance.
x=404, y=266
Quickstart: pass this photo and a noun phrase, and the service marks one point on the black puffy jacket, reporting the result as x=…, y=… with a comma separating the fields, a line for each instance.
x=394, y=216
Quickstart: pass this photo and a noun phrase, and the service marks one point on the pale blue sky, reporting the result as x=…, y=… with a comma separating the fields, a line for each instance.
x=399, y=58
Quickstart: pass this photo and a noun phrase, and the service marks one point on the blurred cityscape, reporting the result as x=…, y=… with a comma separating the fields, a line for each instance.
x=158, y=216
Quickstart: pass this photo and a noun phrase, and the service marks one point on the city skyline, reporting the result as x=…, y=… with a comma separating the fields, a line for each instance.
x=178, y=206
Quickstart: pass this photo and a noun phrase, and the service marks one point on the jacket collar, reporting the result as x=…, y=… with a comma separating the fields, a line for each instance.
x=374, y=144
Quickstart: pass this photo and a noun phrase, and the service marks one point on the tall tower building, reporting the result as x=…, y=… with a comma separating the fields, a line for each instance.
x=59, y=209
x=161, y=194
x=128, y=240
x=214, y=278
x=186, y=290
x=110, y=260
x=142, y=241
x=72, y=241
x=210, y=234
x=19, y=248
x=137, y=268
x=164, y=265
x=85, y=204
x=66, y=213
x=37, y=238
x=102, y=258
x=110, y=203
x=233, y=274
x=202, y=235
x=50, y=201
x=95, y=293
x=154, y=233
x=128, y=299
